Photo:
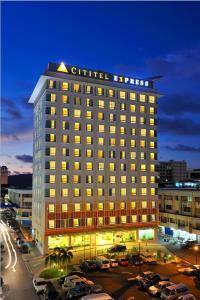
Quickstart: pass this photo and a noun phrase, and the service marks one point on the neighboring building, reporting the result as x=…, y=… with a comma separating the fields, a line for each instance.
x=189, y=184
x=21, y=181
x=23, y=201
x=95, y=151
x=169, y=172
x=180, y=212
x=193, y=174
x=4, y=176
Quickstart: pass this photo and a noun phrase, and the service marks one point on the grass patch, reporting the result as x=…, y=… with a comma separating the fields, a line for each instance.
x=54, y=272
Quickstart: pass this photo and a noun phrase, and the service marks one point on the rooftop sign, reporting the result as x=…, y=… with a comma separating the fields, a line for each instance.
x=99, y=75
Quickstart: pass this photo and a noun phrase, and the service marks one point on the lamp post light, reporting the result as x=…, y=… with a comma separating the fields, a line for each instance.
x=139, y=241
x=196, y=248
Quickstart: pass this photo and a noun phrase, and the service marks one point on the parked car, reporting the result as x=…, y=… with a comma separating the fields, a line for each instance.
x=101, y=296
x=50, y=292
x=123, y=262
x=188, y=244
x=156, y=289
x=102, y=263
x=39, y=284
x=138, y=278
x=88, y=266
x=148, y=259
x=113, y=263
x=75, y=281
x=134, y=259
x=174, y=291
x=78, y=273
x=187, y=297
x=78, y=292
x=151, y=280
x=117, y=248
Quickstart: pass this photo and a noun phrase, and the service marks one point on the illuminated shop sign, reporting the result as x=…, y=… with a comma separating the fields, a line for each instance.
x=99, y=75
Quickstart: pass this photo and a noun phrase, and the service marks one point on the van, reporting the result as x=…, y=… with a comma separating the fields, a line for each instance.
x=101, y=296
x=103, y=263
x=174, y=291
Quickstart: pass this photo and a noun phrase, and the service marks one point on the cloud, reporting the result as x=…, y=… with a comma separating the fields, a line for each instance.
x=25, y=158
x=178, y=126
x=183, y=148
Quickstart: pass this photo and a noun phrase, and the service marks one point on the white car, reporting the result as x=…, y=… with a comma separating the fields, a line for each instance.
x=138, y=278
x=75, y=281
x=187, y=297
x=187, y=270
x=39, y=284
x=156, y=290
x=113, y=263
x=148, y=259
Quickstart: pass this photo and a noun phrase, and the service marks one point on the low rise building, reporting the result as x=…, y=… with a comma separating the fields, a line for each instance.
x=180, y=212
x=169, y=172
x=22, y=204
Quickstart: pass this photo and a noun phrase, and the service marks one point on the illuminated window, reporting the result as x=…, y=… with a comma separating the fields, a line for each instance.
x=153, y=218
x=101, y=141
x=151, y=110
x=101, y=166
x=152, y=144
x=65, y=125
x=89, y=127
x=112, y=191
x=122, y=95
x=133, y=191
x=112, y=117
x=133, y=119
x=123, y=219
x=112, y=105
x=101, y=103
x=77, y=100
x=52, y=124
x=151, y=99
x=142, y=97
x=51, y=208
x=77, y=152
x=53, y=110
x=144, y=179
x=151, y=121
x=133, y=131
x=88, y=89
x=132, y=108
x=89, y=153
x=142, y=120
x=77, y=126
x=101, y=128
x=122, y=154
x=153, y=191
x=65, y=138
x=122, y=130
x=65, y=112
x=112, y=220
x=64, y=207
x=77, y=179
x=76, y=222
x=122, y=142
x=152, y=168
x=89, y=166
x=123, y=179
x=112, y=129
x=132, y=96
x=112, y=166
x=133, y=143
x=52, y=151
x=77, y=193
x=64, y=179
x=89, y=179
x=63, y=165
x=153, y=204
x=100, y=192
x=123, y=118
x=52, y=178
x=52, y=165
x=89, y=114
x=111, y=205
x=100, y=115
x=100, y=153
x=143, y=167
x=123, y=167
x=88, y=206
x=152, y=179
x=142, y=144
x=111, y=154
x=152, y=156
x=99, y=91
x=89, y=192
x=65, y=86
x=100, y=179
x=144, y=204
x=110, y=93
x=76, y=87
x=152, y=133
x=142, y=108
x=89, y=221
x=133, y=179
x=89, y=140
x=100, y=221
x=77, y=139
x=65, y=152
x=52, y=84
x=133, y=204
x=133, y=219
x=143, y=191
x=52, y=193
x=123, y=191
x=65, y=99
x=142, y=155
x=65, y=192
x=77, y=113
x=100, y=206
x=132, y=155
x=51, y=223
x=112, y=142
x=77, y=165
x=133, y=167
x=122, y=106
x=52, y=137
x=144, y=218
x=53, y=98
x=112, y=179
x=143, y=132
x=77, y=207
x=89, y=102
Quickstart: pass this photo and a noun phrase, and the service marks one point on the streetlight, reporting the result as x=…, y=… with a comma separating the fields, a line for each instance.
x=196, y=248
x=139, y=241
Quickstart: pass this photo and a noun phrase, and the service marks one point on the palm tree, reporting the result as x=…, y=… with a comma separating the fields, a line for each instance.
x=60, y=256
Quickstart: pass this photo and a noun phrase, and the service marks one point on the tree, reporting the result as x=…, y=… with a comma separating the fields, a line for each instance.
x=60, y=256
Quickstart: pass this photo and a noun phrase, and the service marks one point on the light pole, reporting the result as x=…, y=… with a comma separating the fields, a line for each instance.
x=196, y=248
x=139, y=241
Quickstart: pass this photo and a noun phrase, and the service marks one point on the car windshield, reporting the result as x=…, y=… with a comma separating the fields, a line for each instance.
x=105, y=262
x=41, y=283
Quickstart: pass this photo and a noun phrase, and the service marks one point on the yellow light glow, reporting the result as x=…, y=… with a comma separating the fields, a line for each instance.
x=62, y=68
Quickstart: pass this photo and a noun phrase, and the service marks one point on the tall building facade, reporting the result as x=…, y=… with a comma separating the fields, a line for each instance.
x=169, y=172
x=94, y=157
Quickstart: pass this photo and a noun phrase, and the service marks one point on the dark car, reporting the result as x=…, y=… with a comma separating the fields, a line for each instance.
x=78, y=292
x=123, y=262
x=151, y=280
x=135, y=259
x=50, y=292
x=89, y=266
x=117, y=248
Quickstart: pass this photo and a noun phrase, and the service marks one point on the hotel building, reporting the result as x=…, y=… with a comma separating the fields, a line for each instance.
x=94, y=157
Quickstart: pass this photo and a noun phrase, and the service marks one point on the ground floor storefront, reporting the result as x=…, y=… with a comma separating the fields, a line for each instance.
x=178, y=233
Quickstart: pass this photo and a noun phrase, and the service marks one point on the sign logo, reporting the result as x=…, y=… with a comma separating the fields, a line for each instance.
x=62, y=68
